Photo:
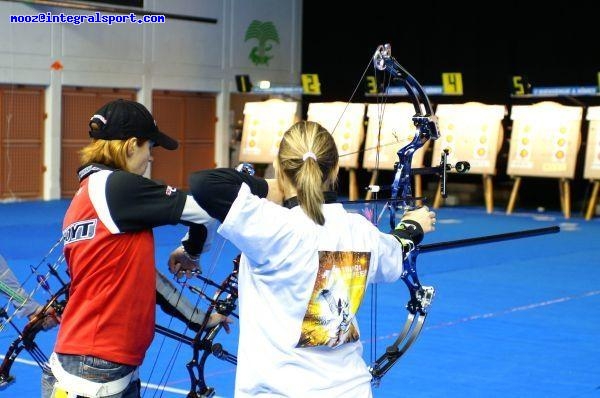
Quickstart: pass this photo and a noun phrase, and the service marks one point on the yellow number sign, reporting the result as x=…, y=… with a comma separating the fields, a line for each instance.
x=371, y=85
x=452, y=83
x=518, y=85
x=311, y=84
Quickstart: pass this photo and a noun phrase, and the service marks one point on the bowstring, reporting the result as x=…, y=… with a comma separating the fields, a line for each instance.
x=160, y=385
x=349, y=101
x=381, y=101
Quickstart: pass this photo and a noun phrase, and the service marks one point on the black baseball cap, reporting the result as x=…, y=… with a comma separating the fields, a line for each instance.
x=122, y=119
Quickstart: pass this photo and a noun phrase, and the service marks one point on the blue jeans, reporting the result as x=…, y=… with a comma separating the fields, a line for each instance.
x=94, y=369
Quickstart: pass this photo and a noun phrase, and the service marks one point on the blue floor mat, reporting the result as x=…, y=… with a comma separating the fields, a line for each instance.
x=518, y=318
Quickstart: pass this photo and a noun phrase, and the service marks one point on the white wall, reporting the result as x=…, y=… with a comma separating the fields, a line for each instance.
x=176, y=55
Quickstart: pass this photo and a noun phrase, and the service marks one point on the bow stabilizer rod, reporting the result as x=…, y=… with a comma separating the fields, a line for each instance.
x=488, y=239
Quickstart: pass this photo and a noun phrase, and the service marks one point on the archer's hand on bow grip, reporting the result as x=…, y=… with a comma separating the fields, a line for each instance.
x=216, y=318
x=423, y=216
x=50, y=319
x=42, y=320
x=181, y=262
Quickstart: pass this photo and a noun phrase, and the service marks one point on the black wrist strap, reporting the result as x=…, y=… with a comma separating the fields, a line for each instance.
x=409, y=230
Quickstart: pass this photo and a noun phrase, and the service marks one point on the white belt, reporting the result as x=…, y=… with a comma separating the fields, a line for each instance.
x=76, y=385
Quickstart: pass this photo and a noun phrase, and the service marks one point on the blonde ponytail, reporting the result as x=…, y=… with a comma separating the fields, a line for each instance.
x=308, y=158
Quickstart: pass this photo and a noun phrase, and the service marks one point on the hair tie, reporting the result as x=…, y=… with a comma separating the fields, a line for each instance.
x=309, y=155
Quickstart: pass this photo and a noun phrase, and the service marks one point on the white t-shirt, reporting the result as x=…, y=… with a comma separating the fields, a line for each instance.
x=300, y=285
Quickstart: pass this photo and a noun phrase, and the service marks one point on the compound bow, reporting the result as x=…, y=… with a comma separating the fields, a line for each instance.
x=402, y=199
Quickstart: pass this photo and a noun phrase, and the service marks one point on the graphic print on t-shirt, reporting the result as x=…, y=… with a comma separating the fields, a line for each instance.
x=337, y=294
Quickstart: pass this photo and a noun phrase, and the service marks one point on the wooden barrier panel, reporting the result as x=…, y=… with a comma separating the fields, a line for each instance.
x=21, y=142
x=264, y=125
x=189, y=117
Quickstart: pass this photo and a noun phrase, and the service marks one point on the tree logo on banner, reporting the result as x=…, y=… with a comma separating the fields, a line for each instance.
x=264, y=32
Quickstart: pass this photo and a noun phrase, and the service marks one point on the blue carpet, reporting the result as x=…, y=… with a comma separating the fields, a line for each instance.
x=518, y=318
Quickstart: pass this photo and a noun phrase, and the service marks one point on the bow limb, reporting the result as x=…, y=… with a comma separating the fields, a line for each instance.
x=424, y=120
x=417, y=306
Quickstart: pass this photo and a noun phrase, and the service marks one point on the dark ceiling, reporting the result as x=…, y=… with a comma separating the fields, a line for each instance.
x=549, y=44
